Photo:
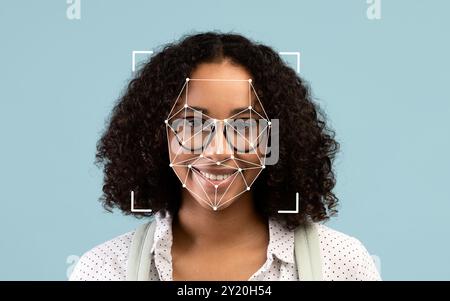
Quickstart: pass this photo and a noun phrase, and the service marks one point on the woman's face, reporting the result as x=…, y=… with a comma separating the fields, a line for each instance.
x=217, y=134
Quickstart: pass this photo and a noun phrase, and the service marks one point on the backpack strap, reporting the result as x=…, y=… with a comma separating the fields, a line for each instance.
x=139, y=254
x=307, y=253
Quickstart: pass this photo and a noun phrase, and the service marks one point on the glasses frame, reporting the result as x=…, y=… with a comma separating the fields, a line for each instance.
x=227, y=127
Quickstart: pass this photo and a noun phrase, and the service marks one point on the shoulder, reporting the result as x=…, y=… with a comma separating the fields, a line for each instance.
x=107, y=261
x=345, y=257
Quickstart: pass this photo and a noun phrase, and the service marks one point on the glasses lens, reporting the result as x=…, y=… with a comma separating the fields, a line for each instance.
x=193, y=133
x=245, y=135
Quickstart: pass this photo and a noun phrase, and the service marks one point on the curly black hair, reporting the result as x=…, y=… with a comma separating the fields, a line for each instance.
x=133, y=150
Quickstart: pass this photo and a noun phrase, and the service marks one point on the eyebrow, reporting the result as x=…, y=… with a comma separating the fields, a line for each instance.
x=233, y=112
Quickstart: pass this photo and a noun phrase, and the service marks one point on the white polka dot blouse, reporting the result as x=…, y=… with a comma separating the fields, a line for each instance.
x=343, y=257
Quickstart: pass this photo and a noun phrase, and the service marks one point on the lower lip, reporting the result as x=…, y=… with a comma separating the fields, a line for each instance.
x=211, y=183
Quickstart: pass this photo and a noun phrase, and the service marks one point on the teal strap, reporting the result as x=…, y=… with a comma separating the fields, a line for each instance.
x=139, y=255
x=307, y=253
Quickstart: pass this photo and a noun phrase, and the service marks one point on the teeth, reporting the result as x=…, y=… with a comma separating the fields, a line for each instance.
x=214, y=177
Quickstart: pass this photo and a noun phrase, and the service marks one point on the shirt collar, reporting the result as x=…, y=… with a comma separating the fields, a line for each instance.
x=281, y=242
x=162, y=246
x=163, y=231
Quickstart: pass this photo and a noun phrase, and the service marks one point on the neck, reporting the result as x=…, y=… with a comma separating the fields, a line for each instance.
x=237, y=223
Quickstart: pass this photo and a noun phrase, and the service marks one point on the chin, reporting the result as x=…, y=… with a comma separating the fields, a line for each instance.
x=229, y=199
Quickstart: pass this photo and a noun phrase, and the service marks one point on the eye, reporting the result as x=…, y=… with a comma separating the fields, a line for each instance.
x=243, y=124
x=194, y=122
x=199, y=124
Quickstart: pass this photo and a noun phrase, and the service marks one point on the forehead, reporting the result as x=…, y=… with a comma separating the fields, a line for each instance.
x=219, y=98
x=219, y=89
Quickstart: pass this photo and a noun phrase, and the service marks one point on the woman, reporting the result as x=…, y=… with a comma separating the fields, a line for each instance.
x=216, y=199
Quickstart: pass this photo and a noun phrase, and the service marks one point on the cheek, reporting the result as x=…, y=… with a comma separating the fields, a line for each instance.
x=177, y=153
x=179, y=170
x=174, y=147
x=252, y=158
x=253, y=163
x=179, y=159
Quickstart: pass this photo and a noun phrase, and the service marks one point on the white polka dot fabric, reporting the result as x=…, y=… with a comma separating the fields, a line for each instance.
x=343, y=257
x=107, y=261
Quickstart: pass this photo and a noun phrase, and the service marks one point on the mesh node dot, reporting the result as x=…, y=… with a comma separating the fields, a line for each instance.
x=189, y=166
x=215, y=208
x=239, y=169
x=187, y=79
x=248, y=188
x=232, y=157
x=250, y=107
x=269, y=123
x=171, y=165
x=166, y=121
x=218, y=163
x=184, y=185
x=185, y=105
x=249, y=80
x=216, y=186
x=263, y=166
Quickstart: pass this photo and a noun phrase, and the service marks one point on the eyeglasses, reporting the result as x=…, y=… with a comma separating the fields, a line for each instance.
x=242, y=135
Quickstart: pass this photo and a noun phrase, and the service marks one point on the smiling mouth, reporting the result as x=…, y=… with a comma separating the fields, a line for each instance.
x=215, y=176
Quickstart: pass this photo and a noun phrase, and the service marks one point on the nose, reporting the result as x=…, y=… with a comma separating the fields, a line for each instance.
x=218, y=149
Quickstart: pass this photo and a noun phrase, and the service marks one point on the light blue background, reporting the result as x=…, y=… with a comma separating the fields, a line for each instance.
x=384, y=86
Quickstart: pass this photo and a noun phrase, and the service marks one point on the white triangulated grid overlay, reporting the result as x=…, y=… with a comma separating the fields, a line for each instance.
x=192, y=132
